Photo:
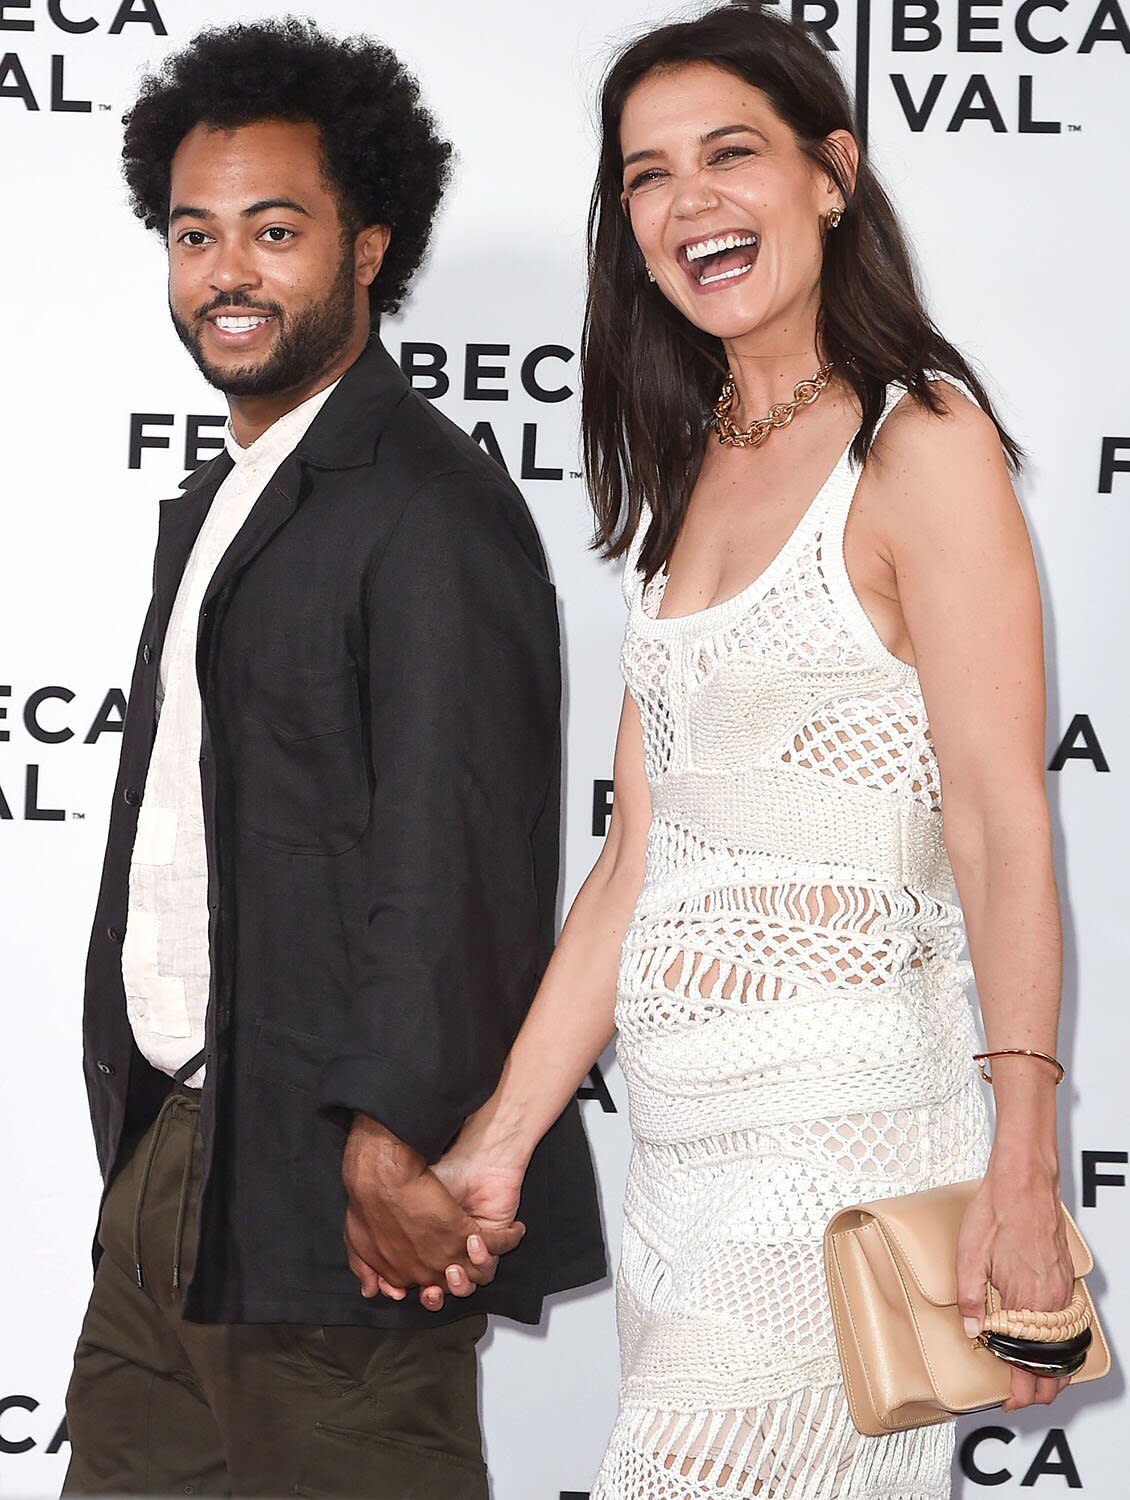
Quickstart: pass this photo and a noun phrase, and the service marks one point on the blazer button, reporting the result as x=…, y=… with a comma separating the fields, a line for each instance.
x=115, y=934
x=105, y=1067
x=147, y=653
x=132, y=797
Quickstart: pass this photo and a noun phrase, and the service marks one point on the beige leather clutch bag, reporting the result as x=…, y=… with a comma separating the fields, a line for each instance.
x=906, y=1358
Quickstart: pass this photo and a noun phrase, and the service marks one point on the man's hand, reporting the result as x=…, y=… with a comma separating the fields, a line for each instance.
x=402, y=1226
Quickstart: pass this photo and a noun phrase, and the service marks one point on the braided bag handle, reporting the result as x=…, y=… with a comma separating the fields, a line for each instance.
x=1041, y=1327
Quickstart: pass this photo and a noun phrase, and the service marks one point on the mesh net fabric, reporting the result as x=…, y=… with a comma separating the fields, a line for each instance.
x=802, y=1447
x=794, y=1031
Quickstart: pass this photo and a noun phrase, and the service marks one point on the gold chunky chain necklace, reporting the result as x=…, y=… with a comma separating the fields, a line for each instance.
x=730, y=435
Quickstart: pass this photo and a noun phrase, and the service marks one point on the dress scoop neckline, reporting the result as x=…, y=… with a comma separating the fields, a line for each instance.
x=726, y=609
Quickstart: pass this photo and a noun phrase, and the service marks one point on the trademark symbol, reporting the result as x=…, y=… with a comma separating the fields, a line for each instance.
x=575, y=474
x=79, y=817
x=105, y=108
x=1074, y=129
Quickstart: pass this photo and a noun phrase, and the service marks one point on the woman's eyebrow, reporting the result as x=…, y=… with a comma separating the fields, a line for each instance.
x=711, y=135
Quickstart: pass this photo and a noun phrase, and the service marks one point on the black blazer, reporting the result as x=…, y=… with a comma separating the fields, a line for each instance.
x=380, y=762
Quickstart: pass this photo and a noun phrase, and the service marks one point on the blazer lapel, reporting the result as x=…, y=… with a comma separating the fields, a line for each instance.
x=344, y=435
x=178, y=525
x=273, y=509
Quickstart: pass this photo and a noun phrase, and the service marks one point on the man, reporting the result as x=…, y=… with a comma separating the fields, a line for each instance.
x=330, y=878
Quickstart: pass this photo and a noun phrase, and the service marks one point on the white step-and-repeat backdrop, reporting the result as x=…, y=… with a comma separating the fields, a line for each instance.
x=1001, y=128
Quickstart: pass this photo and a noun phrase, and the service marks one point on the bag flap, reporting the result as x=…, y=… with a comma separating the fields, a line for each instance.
x=923, y=1228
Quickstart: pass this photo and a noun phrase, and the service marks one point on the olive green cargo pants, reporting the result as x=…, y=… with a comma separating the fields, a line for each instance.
x=160, y=1406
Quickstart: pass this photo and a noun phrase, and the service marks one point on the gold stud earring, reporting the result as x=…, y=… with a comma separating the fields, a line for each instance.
x=833, y=217
x=650, y=273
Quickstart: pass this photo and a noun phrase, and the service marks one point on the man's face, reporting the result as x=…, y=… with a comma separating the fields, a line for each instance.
x=263, y=288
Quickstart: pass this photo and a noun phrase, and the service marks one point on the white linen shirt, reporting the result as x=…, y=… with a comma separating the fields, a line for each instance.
x=166, y=966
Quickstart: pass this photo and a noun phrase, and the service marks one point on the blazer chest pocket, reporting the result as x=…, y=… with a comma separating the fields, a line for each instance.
x=303, y=786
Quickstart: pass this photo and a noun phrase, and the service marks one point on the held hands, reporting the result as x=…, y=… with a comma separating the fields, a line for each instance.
x=487, y=1190
x=490, y=1194
x=404, y=1228
x=1013, y=1237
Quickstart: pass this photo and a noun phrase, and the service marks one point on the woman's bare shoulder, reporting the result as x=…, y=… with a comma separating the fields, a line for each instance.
x=960, y=428
x=929, y=471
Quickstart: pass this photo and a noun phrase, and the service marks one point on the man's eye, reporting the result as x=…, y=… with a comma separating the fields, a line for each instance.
x=277, y=235
x=193, y=237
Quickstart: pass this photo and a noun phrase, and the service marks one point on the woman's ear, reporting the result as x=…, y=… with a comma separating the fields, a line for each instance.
x=841, y=149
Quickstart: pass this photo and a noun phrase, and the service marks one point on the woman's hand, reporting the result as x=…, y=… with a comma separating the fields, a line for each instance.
x=1013, y=1237
x=488, y=1190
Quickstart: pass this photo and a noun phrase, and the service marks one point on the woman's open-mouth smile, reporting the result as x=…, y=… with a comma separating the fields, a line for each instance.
x=718, y=262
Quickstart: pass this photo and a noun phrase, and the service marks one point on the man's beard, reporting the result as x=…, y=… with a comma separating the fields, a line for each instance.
x=305, y=344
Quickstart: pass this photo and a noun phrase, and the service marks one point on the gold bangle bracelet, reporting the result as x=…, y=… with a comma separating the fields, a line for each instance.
x=980, y=1058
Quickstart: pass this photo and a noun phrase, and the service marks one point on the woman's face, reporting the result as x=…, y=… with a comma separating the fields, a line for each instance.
x=725, y=206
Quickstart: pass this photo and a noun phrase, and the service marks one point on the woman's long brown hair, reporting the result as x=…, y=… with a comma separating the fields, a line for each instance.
x=650, y=377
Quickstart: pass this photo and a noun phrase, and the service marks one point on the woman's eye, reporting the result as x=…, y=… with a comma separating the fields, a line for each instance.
x=277, y=235
x=729, y=154
x=645, y=180
x=193, y=237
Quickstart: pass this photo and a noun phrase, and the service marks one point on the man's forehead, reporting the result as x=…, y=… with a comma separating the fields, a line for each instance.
x=265, y=159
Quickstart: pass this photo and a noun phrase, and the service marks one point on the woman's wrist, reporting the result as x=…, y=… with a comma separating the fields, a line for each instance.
x=1024, y=1162
x=1025, y=1151
x=1024, y=1093
x=499, y=1133
x=1025, y=1146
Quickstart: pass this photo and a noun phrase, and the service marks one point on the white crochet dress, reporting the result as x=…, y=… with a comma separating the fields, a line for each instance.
x=793, y=1025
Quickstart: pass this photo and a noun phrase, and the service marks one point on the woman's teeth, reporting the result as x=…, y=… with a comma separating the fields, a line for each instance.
x=725, y=275
x=708, y=254
x=715, y=247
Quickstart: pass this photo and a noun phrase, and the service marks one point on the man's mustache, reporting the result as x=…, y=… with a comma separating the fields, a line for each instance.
x=238, y=299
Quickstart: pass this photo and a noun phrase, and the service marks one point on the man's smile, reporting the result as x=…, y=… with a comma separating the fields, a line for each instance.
x=239, y=330
x=240, y=325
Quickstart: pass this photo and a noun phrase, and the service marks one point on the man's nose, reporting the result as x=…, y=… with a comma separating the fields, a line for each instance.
x=233, y=268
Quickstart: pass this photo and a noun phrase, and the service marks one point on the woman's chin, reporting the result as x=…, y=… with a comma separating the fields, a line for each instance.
x=735, y=318
x=727, y=323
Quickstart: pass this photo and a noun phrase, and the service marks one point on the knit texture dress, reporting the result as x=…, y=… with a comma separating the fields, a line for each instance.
x=793, y=1026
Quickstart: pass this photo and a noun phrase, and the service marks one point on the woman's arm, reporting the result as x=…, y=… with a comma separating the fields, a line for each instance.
x=968, y=592
x=569, y=1023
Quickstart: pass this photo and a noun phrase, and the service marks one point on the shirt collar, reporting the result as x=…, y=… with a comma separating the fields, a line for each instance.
x=281, y=437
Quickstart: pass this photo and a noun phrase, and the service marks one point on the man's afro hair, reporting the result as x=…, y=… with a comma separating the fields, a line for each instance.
x=383, y=157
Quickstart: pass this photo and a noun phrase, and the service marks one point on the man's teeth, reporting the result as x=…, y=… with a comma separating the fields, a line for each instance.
x=725, y=275
x=239, y=325
x=715, y=247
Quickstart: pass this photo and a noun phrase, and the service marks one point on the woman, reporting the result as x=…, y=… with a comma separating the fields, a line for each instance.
x=835, y=678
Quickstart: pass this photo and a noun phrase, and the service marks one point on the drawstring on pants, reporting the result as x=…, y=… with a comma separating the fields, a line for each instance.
x=182, y=1209
x=170, y=1103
